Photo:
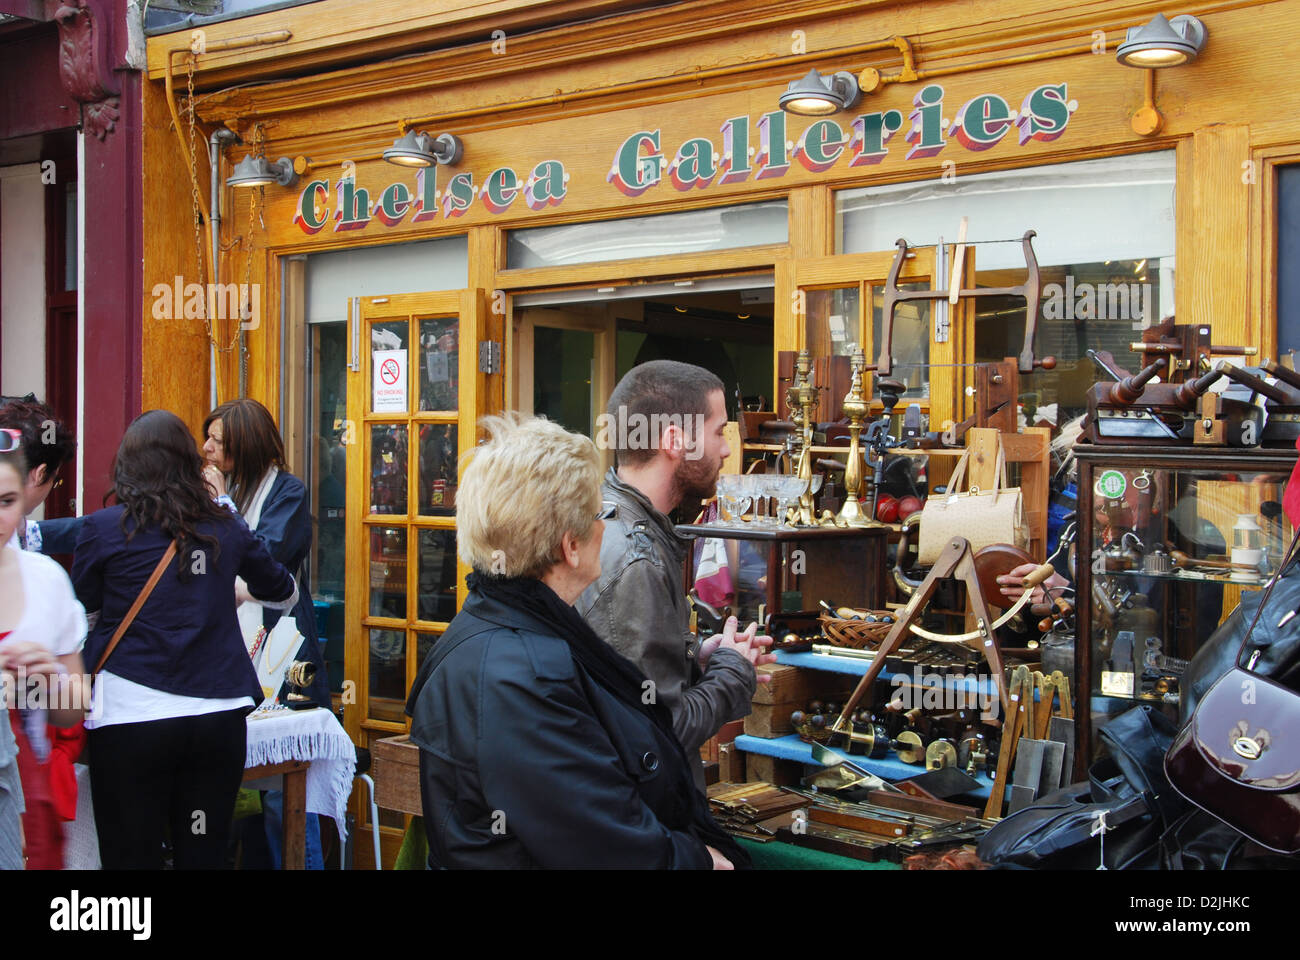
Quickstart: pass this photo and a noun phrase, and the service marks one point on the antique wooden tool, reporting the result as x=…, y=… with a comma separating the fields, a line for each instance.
x=1061, y=728
x=894, y=296
x=1283, y=427
x=1186, y=346
x=1136, y=410
x=1012, y=726
x=1039, y=761
x=956, y=562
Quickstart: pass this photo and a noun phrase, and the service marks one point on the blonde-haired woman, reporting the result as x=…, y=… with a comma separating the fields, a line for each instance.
x=540, y=745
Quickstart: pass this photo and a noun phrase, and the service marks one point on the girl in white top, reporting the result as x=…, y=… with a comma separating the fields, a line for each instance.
x=42, y=627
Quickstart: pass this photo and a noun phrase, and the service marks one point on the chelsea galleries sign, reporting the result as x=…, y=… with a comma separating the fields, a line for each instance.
x=745, y=149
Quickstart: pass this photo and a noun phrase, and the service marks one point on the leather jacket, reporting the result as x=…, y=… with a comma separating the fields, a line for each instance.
x=526, y=760
x=638, y=605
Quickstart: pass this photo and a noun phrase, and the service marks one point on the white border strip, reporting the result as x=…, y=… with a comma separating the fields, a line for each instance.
x=81, y=322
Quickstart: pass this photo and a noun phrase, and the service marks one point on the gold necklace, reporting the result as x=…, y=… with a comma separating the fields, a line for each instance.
x=274, y=670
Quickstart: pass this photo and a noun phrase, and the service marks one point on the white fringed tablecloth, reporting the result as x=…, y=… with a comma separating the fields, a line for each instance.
x=311, y=735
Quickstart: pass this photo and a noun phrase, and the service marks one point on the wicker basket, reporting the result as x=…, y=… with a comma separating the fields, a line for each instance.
x=857, y=634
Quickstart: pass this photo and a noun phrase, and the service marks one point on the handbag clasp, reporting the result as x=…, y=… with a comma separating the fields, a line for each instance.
x=1246, y=747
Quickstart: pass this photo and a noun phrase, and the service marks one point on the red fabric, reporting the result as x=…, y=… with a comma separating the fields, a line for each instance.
x=1291, y=497
x=65, y=747
x=41, y=823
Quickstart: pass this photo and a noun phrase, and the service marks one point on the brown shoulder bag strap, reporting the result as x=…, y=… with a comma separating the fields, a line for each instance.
x=135, y=607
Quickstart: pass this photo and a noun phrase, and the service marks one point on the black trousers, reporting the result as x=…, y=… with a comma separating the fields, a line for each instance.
x=179, y=775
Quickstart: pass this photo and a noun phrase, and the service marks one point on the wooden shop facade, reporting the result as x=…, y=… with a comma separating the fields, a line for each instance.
x=625, y=185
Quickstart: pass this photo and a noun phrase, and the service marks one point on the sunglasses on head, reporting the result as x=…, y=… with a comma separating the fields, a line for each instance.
x=10, y=440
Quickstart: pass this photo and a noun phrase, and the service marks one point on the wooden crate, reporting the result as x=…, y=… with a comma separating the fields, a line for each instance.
x=797, y=686
x=771, y=719
x=788, y=684
x=781, y=773
x=395, y=767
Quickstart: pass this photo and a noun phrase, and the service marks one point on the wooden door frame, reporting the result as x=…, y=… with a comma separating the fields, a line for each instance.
x=473, y=398
x=866, y=270
x=524, y=320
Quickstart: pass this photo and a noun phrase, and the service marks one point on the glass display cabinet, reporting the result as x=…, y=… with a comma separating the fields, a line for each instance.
x=1167, y=541
x=783, y=569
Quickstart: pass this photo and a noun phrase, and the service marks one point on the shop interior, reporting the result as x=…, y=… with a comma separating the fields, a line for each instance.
x=571, y=348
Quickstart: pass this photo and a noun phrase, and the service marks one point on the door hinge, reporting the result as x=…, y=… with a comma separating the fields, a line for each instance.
x=489, y=356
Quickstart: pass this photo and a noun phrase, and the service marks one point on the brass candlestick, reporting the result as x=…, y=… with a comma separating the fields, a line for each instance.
x=807, y=397
x=855, y=408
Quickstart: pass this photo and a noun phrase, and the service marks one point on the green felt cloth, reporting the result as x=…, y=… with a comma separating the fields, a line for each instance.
x=414, y=854
x=775, y=855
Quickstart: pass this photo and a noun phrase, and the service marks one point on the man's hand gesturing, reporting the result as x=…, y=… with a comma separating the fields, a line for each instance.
x=748, y=644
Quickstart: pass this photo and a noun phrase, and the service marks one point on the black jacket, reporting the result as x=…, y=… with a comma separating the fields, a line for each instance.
x=527, y=761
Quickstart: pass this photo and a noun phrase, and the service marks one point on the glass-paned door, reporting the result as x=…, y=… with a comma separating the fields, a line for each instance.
x=843, y=300
x=415, y=395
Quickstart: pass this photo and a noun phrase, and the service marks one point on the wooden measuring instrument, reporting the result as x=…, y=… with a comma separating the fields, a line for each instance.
x=956, y=562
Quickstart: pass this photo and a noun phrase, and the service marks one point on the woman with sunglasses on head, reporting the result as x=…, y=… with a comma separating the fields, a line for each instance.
x=49, y=447
x=167, y=724
x=244, y=457
x=41, y=629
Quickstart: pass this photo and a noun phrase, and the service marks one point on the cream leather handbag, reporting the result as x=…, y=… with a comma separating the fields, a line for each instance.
x=981, y=516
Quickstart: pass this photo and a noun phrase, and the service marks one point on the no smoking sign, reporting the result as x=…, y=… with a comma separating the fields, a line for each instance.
x=389, y=393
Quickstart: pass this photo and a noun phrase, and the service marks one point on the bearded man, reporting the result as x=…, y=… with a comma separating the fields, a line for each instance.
x=666, y=420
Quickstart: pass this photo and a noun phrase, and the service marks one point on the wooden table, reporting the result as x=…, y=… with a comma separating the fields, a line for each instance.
x=294, y=816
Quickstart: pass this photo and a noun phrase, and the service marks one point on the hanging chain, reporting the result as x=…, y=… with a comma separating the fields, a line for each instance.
x=255, y=200
x=198, y=214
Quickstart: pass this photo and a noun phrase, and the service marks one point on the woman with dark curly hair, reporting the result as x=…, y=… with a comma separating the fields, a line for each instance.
x=245, y=466
x=167, y=717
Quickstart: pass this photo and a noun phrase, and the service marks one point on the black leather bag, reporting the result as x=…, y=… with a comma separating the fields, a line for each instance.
x=1279, y=647
x=1060, y=831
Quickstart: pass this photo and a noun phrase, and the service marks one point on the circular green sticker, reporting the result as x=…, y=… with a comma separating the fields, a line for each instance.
x=1111, y=484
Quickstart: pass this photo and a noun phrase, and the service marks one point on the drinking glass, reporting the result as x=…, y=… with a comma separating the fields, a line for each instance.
x=751, y=489
x=735, y=500
x=789, y=488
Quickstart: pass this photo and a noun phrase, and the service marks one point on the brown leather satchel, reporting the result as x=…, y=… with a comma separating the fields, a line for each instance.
x=1238, y=758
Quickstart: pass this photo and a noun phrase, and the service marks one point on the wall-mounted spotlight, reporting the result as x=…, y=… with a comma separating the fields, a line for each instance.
x=1162, y=43
x=818, y=96
x=421, y=150
x=255, y=171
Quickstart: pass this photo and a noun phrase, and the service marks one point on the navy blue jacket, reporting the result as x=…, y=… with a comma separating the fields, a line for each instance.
x=285, y=526
x=527, y=761
x=59, y=536
x=186, y=638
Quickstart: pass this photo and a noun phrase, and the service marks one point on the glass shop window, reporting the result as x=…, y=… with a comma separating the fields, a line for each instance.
x=1288, y=254
x=1104, y=246
x=690, y=231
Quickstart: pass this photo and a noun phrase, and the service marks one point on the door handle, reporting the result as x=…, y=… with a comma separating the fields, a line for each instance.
x=354, y=328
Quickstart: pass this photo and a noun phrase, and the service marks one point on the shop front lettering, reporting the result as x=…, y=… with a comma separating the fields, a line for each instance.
x=355, y=207
x=641, y=161
x=761, y=150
